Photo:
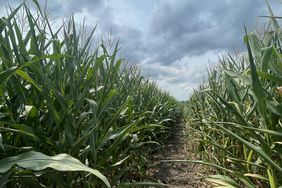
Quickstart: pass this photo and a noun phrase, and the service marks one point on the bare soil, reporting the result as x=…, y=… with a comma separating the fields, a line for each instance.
x=180, y=145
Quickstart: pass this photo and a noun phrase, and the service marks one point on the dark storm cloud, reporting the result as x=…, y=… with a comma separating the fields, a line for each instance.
x=195, y=27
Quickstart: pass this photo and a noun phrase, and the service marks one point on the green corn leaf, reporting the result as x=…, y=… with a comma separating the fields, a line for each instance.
x=5, y=75
x=22, y=130
x=256, y=149
x=271, y=132
x=37, y=161
x=29, y=79
x=271, y=178
x=266, y=58
x=256, y=85
x=271, y=77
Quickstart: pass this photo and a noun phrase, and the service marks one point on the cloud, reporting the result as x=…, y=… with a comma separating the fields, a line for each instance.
x=65, y=8
x=180, y=78
x=193, y=28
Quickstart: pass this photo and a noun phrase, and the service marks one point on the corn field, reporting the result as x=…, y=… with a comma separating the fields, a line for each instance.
x=77, y=115
x=238, y=113
x=71, y=114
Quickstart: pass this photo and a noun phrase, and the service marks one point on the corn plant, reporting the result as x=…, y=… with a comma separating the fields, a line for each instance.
x=238, y=113
x=72, y=114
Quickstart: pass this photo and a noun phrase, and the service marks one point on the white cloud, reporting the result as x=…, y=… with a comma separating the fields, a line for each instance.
x=182, y=76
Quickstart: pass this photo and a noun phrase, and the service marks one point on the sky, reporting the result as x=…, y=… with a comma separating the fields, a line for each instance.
x=173, y=41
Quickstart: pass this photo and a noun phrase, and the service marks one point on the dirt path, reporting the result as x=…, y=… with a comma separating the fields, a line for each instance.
x=179, y=146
